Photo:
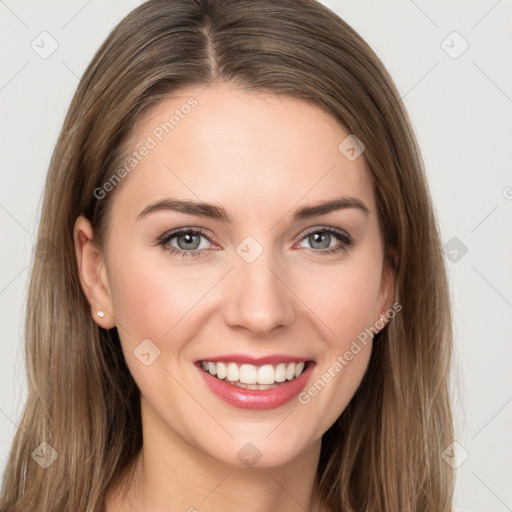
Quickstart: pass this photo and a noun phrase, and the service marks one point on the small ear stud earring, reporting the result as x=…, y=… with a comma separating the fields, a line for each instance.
x=101, y=314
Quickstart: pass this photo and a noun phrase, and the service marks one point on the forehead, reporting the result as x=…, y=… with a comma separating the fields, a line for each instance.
x=250, y=151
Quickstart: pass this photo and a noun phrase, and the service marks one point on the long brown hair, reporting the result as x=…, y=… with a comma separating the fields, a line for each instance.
x=384, y=452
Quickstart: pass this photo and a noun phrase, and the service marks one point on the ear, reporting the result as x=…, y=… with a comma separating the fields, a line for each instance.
x=92, y=271
x=387, y=286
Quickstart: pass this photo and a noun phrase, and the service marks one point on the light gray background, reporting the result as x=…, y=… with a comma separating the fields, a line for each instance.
x=461, y=109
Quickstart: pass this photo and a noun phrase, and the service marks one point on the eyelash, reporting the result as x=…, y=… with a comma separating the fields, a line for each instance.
x=346, y=241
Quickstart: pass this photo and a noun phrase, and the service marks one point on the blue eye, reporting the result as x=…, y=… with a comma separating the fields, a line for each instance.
x=328, y=235
x=189, y=244
x=187, y=239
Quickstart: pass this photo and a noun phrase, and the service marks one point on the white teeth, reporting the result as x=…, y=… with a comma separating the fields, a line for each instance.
x=250, y=376
x=280, y=373
x=298, y=368
x=260, y=387
x=233, y=372
x=221, y=370
x=266, y=374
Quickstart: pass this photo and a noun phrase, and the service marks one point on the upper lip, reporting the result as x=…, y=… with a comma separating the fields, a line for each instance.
x=256, y=361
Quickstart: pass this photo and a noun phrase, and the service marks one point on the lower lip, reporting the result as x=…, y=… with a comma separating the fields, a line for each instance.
x=257, y=399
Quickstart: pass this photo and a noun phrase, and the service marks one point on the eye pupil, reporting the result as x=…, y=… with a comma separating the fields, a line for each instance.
x=320, y=237
x=189, y=239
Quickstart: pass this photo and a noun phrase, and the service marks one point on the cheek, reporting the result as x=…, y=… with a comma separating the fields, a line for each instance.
x=345, y=301
x=344, y=297
x=154, y=299
x=150, y=295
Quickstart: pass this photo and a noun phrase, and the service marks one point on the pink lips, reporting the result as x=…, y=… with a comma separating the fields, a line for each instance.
x=252, y=398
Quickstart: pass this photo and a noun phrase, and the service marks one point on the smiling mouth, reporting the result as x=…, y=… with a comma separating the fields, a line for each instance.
x=254, y=377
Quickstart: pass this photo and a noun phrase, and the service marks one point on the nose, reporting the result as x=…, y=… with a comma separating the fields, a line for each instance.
x=258, y=297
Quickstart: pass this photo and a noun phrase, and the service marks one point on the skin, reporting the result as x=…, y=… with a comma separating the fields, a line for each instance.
x=260, y=156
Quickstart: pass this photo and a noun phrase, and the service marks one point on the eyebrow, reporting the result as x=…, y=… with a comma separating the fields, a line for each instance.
x=217, y=212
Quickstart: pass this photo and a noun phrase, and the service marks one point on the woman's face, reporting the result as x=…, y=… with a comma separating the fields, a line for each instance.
x=260, y=278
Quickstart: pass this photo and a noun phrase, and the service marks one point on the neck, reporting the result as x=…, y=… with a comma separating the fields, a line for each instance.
x=172, y=475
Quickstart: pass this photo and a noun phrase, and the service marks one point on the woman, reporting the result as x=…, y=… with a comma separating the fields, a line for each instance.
x=189, y=345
